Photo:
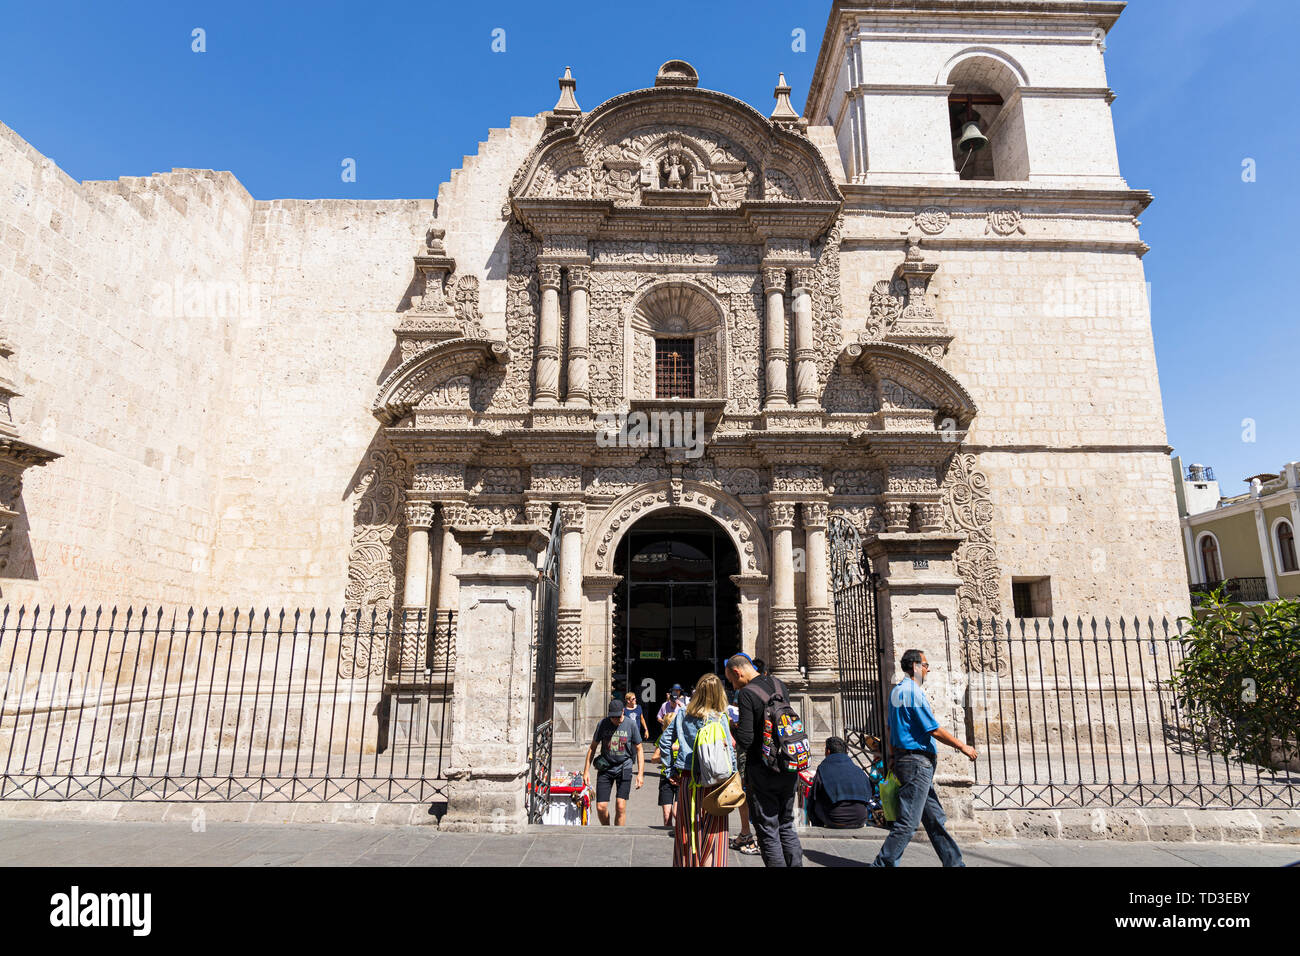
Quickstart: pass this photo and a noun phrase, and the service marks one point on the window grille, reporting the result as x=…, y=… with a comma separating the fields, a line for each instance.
x=674, y=368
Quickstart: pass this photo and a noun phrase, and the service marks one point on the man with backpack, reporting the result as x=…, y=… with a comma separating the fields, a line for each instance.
x=776, y=747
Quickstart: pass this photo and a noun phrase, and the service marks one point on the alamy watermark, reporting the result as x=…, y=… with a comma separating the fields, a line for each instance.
x=655, y=429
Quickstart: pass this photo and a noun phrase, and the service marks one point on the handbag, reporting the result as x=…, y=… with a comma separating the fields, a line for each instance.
x=725, y=797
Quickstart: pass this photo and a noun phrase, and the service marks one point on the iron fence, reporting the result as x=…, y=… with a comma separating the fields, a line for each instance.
x=224, y=705
x=1071, y=714
x=1237, y=589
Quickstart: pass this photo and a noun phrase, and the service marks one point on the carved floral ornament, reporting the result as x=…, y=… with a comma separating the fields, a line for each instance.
x=735, y=519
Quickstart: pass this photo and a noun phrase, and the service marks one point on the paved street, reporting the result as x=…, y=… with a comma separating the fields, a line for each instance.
x=67, y=843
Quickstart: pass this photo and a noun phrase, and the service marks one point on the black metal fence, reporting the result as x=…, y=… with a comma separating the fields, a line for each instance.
x=1068, y=714
x=1236, y=589
x=224, y=705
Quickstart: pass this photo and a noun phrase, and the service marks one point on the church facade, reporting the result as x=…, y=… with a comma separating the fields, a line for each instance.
x=694, y=339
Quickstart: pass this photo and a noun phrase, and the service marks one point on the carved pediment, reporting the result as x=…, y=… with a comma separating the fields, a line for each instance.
x=439, y=376
x=911, y=386
x=674, y=145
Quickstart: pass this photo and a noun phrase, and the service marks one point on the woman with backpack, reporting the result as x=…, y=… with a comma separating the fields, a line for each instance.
x=703, y=736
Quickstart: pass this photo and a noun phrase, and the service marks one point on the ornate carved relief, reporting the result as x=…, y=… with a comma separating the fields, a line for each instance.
x=779, y=185
x=900, y=396
x=377, y=556
x=911, y=479
x=968, y=508
x=858, y=482
x=1004, y=222
x=802, y=479
x=438, y=476
x=828, y=308
x=522, y=303
x=495, y=481
x=887, y=299
x=932, y=220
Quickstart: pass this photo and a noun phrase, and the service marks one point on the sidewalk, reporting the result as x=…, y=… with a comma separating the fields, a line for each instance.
x=59, y=843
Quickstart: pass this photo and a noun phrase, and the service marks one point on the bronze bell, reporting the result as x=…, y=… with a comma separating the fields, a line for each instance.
x=971, y=137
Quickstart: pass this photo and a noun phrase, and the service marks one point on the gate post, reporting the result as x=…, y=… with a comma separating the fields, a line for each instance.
x=492, y=691
x=918, y=607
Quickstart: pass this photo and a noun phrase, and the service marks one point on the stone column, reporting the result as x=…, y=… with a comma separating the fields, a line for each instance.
x=785, y=622
x=805, y=353
x=548, y=345
x=490, y=706
x=579, y=284
x=917, y=606
x=568, y=656
x=415, y=589
x=448, y=597
x=778, y=355
x=1265, y=551
x=822, y=653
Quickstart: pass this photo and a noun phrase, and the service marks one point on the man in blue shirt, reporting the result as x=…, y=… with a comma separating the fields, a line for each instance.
x=913, y=730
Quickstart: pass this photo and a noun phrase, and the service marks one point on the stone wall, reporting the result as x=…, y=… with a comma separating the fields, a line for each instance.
x=205, y=363
x=117, y=297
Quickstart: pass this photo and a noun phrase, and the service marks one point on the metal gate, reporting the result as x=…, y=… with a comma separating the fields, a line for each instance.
x=862, y=666
x=541, y=728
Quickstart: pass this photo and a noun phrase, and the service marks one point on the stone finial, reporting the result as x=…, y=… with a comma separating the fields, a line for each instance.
x=433, y=241
x=783, y=112
x=567, y=104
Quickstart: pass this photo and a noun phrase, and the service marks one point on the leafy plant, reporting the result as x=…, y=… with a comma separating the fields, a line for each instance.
x=1239, y=680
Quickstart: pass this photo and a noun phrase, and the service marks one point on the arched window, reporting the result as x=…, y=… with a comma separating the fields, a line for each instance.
x=1210, y=566
x=1286, y=547
x=677, y=339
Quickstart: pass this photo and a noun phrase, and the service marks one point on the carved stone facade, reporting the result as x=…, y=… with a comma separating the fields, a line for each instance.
x=874, y=343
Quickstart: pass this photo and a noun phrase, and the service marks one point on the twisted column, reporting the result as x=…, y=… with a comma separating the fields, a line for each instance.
x=778, y=355
x=579, y=283
x=785, y=623
x=548, y=345
x=805, y=353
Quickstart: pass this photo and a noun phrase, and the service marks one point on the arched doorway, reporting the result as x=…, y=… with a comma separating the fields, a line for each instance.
x=676, y=609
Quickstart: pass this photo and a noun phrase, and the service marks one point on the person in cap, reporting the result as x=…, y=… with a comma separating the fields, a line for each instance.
x=618, y=740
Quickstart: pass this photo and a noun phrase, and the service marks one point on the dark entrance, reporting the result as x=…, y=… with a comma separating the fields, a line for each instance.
x=676, y=612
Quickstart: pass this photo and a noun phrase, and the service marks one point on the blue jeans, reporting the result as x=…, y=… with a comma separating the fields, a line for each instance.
x=917, y=801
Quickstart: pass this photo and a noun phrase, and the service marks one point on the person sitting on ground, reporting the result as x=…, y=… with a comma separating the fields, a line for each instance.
x=840, y=790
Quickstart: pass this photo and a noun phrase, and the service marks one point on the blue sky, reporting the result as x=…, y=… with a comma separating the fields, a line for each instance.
x=284, y=92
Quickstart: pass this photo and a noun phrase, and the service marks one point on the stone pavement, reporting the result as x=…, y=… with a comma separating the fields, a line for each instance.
x=68, y=843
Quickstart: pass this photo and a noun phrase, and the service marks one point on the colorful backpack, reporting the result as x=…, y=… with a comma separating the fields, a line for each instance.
x=785, y=745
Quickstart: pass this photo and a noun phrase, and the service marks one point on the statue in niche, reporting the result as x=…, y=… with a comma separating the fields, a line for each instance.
x=672, y=168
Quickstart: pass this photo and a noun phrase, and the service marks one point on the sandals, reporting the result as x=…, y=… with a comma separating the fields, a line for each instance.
x=745, y=844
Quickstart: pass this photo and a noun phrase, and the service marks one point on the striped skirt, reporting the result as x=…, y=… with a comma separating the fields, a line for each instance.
x=710, y=845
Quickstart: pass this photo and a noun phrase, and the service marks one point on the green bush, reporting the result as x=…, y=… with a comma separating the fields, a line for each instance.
x=1239, y=681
